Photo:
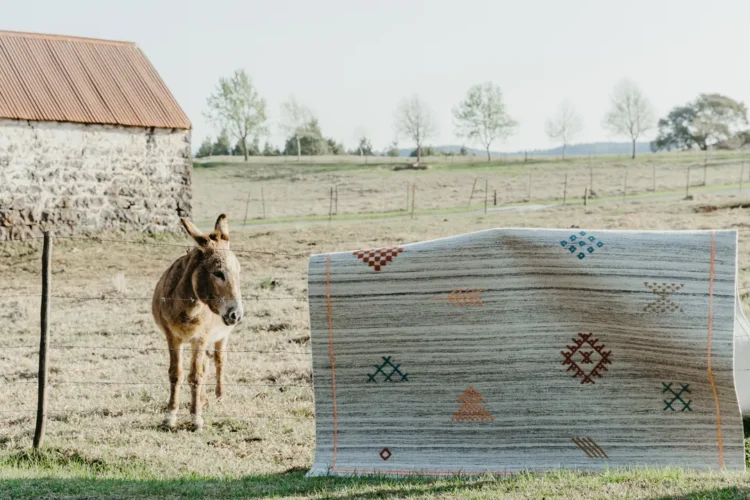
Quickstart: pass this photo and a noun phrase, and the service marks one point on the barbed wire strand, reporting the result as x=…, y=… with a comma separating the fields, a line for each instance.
x=51, y=414
x=165, y=382
x=68, y=346
x=164, y=299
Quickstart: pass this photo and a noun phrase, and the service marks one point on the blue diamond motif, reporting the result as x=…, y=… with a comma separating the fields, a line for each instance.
x=587, y=244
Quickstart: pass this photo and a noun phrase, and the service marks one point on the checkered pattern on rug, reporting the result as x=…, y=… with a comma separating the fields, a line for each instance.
x=379, y=257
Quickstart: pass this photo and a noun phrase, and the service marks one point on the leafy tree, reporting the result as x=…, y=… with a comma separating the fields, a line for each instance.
x=393, y=150
x=631, y=114
x=250, y=150
x=268, y=150
x=428, y=151
x=481, y=116
x=415, y=120
x=236, y=107
x=675, y=129
x=463, y=151
x=307, y=140
x=710, y=120
x=205, y=149
x=565, y=125
x=365, y=147
x=335, y=148
x=222, y=146
x=717, y=118
x=295, y=121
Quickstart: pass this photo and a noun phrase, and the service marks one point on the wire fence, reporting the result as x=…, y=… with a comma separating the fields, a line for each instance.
x=293, y=382
x=491, y=188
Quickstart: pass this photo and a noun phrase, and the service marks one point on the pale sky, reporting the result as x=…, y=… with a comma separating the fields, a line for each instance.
x=352, y=61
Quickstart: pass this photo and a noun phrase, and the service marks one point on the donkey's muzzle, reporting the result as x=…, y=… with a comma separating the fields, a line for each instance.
x=233, y=316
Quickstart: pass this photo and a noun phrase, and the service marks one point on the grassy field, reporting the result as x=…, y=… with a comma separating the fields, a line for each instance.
x=287, y=191
x=109, y=367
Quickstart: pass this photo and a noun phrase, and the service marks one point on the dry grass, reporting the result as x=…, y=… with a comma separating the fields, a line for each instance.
x=291, y=190
x=109, y=369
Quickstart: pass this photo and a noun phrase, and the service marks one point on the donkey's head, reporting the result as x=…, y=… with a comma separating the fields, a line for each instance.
x=216, y=278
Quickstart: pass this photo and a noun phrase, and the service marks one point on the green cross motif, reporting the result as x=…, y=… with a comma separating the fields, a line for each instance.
x=388, y=377
x=677, y=396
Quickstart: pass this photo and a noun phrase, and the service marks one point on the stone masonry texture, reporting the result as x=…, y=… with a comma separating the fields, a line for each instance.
x=78, y=179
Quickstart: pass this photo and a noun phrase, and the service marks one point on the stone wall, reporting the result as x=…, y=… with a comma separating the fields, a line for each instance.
x=83, y=179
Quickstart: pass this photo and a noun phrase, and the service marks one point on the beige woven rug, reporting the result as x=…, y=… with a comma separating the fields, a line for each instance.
x=527, y=350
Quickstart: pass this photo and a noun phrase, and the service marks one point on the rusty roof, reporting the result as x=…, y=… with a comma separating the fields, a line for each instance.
x=82, y=80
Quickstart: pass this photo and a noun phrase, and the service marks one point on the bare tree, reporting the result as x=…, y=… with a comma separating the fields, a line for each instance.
x=295, y=118
x=565, y=125
x=236, y=108
x=631, y=114
x=415, y=120
x=481, y=117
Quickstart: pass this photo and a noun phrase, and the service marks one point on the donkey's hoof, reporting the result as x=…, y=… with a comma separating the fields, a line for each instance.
x=169, y=423
x=197, y=423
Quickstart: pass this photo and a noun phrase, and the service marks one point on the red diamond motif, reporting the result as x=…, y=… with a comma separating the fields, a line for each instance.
x=385, y=454
x=569, y=358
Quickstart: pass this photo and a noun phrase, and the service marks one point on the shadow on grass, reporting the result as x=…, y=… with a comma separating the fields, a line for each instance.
x=290, y=484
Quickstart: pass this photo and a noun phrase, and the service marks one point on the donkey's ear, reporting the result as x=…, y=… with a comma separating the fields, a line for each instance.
x=222, y=226
x=195, y=233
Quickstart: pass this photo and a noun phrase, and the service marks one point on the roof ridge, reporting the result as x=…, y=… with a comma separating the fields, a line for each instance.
x=45, y=36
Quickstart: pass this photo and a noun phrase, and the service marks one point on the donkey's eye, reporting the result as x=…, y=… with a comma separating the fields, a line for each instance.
x=219, y=275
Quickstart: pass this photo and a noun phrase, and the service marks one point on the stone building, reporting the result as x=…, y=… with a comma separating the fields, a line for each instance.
x=91, y=139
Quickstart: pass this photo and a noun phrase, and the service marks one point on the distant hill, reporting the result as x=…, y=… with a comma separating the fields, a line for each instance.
x=585, y=149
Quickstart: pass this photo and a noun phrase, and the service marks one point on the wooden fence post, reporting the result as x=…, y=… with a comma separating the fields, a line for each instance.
x=408, y=187
x=687, y=185
x=41, y=408
x=653, y=177
x=247, y=207
x=494, y=198
x=336, y=197
x=263, y=202
x=591, y=174
x=330, y=205
x=586, y=196
x=413, y=195
x=625, y=184
x=565, y=190
x=472, y=191
x=486, y=187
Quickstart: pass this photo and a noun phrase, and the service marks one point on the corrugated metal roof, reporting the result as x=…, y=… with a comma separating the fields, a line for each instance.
x=82, y=80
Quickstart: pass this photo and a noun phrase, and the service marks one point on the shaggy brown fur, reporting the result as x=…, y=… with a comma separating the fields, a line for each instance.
x=198, y=301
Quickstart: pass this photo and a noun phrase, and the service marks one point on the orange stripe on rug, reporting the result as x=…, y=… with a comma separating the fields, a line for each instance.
x=710, y=334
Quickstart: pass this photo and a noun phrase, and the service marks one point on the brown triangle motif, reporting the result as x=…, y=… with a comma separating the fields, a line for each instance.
x=379, y=257
x=471, y=408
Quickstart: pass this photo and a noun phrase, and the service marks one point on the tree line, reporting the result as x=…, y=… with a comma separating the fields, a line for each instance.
x=237, y=109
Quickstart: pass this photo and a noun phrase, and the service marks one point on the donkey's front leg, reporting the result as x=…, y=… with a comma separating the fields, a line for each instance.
x=175, y=379
x=197, y=379
x=220, y=355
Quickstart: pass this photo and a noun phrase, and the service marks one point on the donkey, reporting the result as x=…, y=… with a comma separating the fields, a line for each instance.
x=198, y=300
